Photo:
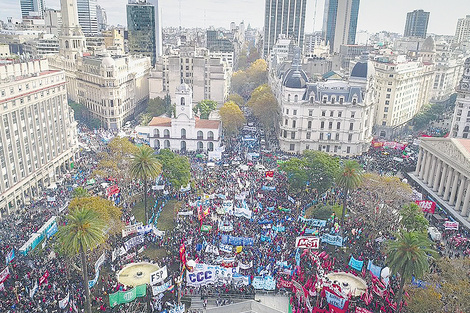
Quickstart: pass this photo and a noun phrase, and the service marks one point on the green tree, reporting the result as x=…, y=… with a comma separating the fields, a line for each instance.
x=159, y=106
x=265, y=108
x=83, y=231
x=205, y=107
x=176, y=168
x=80, y=192
x=245, y=81
x=349, y=178
x=144, y=165
x=412, y=218
x=115, y=158
x=408, y=256
x=104, y=208
x=315, y=168
x=235, y=97
x=82, y=114
x=232, y=118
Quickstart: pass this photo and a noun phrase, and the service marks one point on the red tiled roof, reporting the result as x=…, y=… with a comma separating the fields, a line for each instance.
x=200, y=123
x=160, y=121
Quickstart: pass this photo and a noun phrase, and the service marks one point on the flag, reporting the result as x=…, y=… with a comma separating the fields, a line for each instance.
x=171, y=288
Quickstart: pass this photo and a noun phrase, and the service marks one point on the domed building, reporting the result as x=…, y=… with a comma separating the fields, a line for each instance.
x=333, y=116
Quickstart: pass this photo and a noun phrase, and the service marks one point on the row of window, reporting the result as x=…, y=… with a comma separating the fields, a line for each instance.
x=19, y=88
x=325, y=148
x=324, y=113
x=322, y=136
x=200, y=134
x=200, y=145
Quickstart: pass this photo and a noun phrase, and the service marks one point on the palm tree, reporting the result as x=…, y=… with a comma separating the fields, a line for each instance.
x=84, y=231
x=408, y=256
x=80, y=192
x=144, y=165
x=349, y=178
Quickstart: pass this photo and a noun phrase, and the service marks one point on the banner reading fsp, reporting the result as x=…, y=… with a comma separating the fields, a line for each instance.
x=158, y=276
x=127, y=296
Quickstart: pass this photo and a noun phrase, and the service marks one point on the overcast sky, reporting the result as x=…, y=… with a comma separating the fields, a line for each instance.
x=374, y=15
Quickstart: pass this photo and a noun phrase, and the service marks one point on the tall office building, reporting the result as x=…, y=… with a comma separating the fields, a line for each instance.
x=87, y=16
x=101, y=18
x=340, y=23
x=38, y=134
x=32, y=8
x=285, y=17
x=144, y=26
x=416, y=24
x=462, y=31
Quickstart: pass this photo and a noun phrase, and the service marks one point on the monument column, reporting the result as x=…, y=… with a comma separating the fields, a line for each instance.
x=454, y=188
x=442, y=180
x=449, y=181
x=463, y=182
x=438, y=175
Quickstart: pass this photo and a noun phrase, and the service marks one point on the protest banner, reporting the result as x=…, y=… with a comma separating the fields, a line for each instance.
x=51, y=231
x=64, y=302
x=266, y=282
x=225, y=248
x=4, y=274
x=161, y=288
x=158, y=276
x=180, y=308
x=307, y=242
x=10, y=256
x=334, y=300
x=137, y=240
x=279, y=228
x=236, y=241
x=130, y=229
x=242, y=212
x=374, y=269
x=332, y=240
x=362, y=310
x=127, y=296
x=245, y=266
x=312, y=221
x=225, y=226
x=100, y=261
x=44, y=277
x=448, y=225
x=356, y=264
x=206, y=228
x=427, y=206
x=187, y=213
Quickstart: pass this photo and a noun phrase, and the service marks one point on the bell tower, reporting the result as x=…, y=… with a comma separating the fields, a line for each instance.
x=71, y=39
x=184, y=101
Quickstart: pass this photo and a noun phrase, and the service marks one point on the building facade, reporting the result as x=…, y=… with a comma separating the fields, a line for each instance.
x=283, y=17
x=461, y=120
x=101, y=18
x=38, y=134
x=32, y=8
x=443, y=168
x=403, y=87
x=142, y=22
x=416, y=24
x=184, y=132
x=333, y=116
x=462, y=31
x=87, y=16
x=209, y=77
x=340, y=23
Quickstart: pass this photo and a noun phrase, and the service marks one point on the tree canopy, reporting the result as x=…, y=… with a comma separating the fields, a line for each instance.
x=176, y=168
x=205, y=107
x=245, y=81
x=115, y=158
x=232, y=118
x=412, y=218
x=264, y=106
x=159, y=106
x=316, y=169
x=235, y=97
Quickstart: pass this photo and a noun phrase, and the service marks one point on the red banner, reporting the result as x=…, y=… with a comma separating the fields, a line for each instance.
x=112, y=190
x=281, y=283
x=270, y=174
x=4, y=274
x=427, y=206
x=44, y=277
x=307, y=242
x=451, y=225
x=362, y=310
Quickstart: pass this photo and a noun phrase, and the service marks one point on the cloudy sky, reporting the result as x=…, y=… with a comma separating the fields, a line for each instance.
x=374, y=15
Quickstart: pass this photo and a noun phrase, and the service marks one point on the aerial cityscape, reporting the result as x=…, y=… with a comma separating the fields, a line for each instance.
x=265, y=156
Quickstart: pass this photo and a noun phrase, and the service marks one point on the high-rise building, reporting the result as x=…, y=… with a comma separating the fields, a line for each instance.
x=144, y=26
x=461, y=121
x=53, y=21
x=340, y=23
x=416, y=24
x=38, y=134
x=285, y=17
x=101, y=18
x=87, y=16
x=32, y=8
x=462, y=31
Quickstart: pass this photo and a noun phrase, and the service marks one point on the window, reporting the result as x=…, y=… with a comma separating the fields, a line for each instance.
x=296, y=98
x=310, y=112
x=333, y=100
x=309, y=125
x=387, y=96
x=354, y=101
x=340, y=113
x=387, y=102
x=307, y=147
x=295, y=112
x=337, y=136
x=384, y=123
x=389, y=89
x=322, y=125
x=385, y=115
x=286, y=121
x=385, y=109
x=321, y=136
x=349, y=137
x=311, y=99
x=308, y=136
x=287, y=111
x=332, y=113
x=200, y=135
x=351, y=126
x=338, y=125
x=182, y=101
x=323, y=113
x=292, y=147
x=293, y=124
x=288, y=99
x=341, y=100
x=324, y=99
x=348, y=150
x=336, y=149
x=292, y=135
x=183, y=133
x=285, y=134
x=330, y=125
x=353, y=114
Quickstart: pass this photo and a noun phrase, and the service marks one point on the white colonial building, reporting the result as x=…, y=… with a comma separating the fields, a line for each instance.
x=461, y=120
x=185, y=131
x=333, y=116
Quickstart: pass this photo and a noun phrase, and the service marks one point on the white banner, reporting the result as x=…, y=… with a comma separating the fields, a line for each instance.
x=212, y=249
x=245, y=266
x=451, y=225
x=225, y=248
x=188, y=213
x=158, y=276
x=33, y=291
x=64, y=302
x=4, y=274
x=130, y=229
x=137, y=240
x=100, y=261
x=307, y=242
x=161, y=288
x=239, y=212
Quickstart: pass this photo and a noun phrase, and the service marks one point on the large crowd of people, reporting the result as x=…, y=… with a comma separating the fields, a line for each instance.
x=232, y=198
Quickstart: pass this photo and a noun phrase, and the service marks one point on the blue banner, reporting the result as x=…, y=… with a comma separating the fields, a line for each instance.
x=264, y=238
x=268, y=188
x=236, y=241
x=91, y=283
x=334, y=300
x=297, y=257
x=332, y=240
x=309, y=231
x=313, y=221
x=356, y=264
x=374, y=269
x=266, y=283
x=279, y=228
x=10, y=256
x=262, y=222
